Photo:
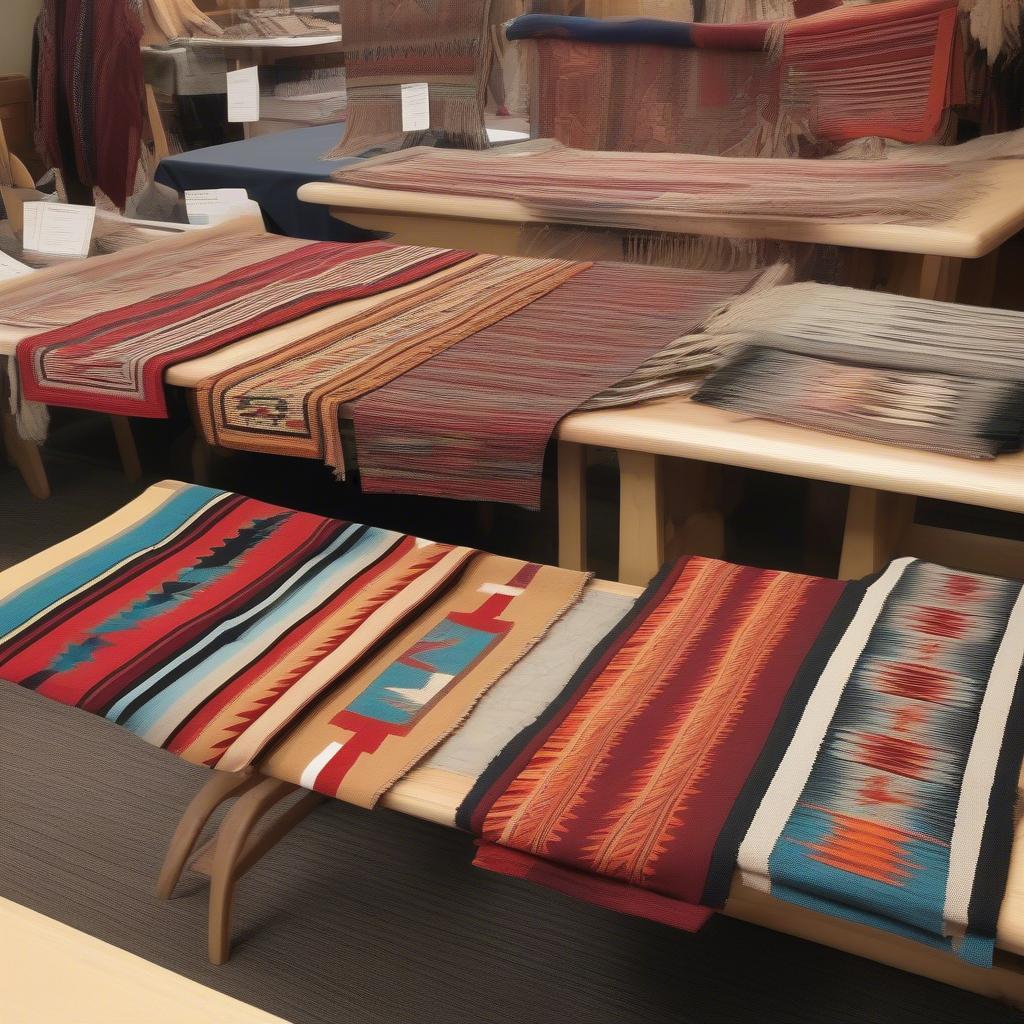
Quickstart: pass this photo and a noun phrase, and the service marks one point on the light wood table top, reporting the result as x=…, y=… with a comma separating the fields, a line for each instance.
x=983, y=222
x=683, y=429
x=51, y=973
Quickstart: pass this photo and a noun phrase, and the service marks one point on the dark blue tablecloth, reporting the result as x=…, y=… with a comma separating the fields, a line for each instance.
x=270, y=168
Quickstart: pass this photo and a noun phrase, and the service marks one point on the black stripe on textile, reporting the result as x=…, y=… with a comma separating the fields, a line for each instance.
x=299, y=622
x=243, y=612
x=723, y=858
x=143, y=561
x=485, y=791
x=125, y=669
x=993, y=865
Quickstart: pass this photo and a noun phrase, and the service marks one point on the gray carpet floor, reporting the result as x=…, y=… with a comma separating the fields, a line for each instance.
x=369, y=918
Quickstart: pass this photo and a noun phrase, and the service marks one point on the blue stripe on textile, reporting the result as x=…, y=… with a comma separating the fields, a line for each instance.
x=295, y=598
x=152, y=531
x=597, y=30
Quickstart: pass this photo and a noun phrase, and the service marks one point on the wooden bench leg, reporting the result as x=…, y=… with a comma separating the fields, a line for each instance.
x=641, y=517
x=222, y=786
x=876, y=524
x=24, y=455
x=572, y=505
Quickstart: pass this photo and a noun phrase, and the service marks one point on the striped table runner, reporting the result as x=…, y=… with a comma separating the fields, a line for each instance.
x=289, y=402
x=114, y=361
x=475, y=420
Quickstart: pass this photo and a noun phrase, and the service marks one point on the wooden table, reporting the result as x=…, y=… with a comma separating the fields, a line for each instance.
x=670, y=452
x=927, y=260
x=691, y=440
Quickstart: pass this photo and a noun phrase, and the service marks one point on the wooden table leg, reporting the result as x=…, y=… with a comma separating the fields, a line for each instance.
x=924, y=277
x=24, y=455
x=572, y=505
x=641, y=517
x=876, y=523
x=222, y=786
x=126, y=447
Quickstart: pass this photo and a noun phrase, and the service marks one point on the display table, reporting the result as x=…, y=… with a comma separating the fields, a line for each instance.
x=672, y=449
x=668, y=446
x=928, y=264
x=271, y=168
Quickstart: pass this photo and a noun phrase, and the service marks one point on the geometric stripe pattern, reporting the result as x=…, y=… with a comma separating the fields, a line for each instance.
x=851, y=747
x=113, y=361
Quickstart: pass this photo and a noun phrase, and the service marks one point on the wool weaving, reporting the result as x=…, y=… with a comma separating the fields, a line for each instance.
x=114, y=362
x=663, y=190
x=204, y=621
x=623, y=791
x=851, y=747
x=878, y=329
x=385, y=717
x=893, y=805
x=289, y=402
x=444, y=44
x=756, y=89
x=89, y=95
x=474, y=421
x=971, y=418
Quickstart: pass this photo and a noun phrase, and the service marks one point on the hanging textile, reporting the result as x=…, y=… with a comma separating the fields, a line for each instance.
x=444, y=45
x=289, y=402
x=474, y=421
x=114, y=361
x=955, y=415
x=89, y=91
x=752, y=89
x=210, y=624
x=662, y=190
x=853, y=747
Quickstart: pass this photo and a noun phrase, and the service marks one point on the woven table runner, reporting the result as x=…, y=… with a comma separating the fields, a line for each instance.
x=289, y=401
x=114, y=361
x=853, y=748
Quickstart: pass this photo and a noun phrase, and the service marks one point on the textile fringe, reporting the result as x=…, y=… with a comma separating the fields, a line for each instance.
x=32, y=419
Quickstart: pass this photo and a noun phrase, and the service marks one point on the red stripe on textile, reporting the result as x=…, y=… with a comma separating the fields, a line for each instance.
x=153, y=403
x=604, y=892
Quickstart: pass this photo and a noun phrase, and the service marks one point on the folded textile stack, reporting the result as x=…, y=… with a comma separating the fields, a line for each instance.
x=905, y=371
x=276, y=23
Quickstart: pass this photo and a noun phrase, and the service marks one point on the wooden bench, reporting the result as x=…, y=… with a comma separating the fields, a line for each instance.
x=264, y=810
x=925, y=260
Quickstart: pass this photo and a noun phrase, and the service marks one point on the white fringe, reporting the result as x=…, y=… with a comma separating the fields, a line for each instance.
x=32, y=419
x=996, y=26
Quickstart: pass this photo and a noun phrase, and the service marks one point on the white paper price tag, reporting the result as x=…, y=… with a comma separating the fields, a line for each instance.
x=244, y=94
x=212, y=205
x=58, y=229
x=415, y=107
x=11, y=267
